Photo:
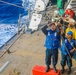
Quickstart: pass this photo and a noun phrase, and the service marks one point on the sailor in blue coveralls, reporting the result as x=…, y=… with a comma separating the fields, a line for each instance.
x=67, y=49
x=52, y=44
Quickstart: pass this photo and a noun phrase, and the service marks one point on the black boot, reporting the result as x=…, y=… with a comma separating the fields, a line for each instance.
x=62, y=71
x=47, y=68
x=69, y=71
x=55, y=70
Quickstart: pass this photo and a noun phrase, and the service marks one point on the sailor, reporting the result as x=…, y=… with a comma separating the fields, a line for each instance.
x=71, y=27
x=52, y=44
x=60, y=4
x=69, y=13
x=67, y=49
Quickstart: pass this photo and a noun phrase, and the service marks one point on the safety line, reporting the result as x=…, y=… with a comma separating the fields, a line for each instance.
x=11, y=4
x=7, y=4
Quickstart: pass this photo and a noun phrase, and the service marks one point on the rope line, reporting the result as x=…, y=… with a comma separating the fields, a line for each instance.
x=7, y=4
x=11, y=4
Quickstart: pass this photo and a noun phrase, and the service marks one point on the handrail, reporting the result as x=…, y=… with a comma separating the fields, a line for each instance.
x=6, y=47
x=15, y=37
x=19, y=30
x=17, y=33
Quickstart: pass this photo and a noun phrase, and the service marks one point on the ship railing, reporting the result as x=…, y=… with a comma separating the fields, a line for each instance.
x=8, y=44
x=22, y=27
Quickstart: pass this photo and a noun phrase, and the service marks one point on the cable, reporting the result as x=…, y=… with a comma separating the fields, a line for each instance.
x=7, y=4
x=11, y=4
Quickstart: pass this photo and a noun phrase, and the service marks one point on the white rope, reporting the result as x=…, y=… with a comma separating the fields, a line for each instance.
x=11, y=4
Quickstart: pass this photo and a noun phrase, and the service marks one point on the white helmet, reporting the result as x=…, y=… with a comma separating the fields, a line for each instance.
x=69, y=7
x=56, y=12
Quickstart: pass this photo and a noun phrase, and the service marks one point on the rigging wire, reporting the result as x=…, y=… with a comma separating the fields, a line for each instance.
x=7, y=4
x=11, y=4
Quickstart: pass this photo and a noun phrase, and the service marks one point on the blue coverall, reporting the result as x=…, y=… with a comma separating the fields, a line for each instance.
x=52, y=44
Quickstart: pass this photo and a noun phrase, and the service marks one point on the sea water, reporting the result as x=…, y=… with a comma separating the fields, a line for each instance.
x=9, y=15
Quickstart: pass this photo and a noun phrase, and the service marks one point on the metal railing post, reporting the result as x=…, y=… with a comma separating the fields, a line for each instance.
x=19, y=23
